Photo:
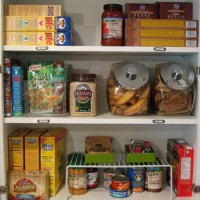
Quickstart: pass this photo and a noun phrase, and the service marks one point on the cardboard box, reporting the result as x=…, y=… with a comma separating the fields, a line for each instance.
x=161, y=33
x=28, y=185
x=53, y=157
x=32, y=149
x=175, y=10
x=161, y=23
x=183, y=169
x=16, y=148
x=32, y=10
x=35, y=23
x=140, y=10
x=8, y=63
x=160, y=42
x=63, y=38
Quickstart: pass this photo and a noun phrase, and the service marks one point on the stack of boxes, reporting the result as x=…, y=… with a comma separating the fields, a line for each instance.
x=181, y=156
x=160, y=24
x=39, y=149
x=42, y=27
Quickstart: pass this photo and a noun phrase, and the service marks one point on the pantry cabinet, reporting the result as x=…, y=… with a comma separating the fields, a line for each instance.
x=88, y=56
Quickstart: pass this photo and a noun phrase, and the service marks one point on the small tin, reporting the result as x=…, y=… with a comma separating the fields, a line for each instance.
x=108, y=173
x=137, y=179
x=120, y=183
x=119, y=193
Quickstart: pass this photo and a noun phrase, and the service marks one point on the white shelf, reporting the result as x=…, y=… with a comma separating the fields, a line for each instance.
x=104, y=118
x=104, y=49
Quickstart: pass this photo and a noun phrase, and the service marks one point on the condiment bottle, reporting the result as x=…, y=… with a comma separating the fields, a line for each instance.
x=112, y=25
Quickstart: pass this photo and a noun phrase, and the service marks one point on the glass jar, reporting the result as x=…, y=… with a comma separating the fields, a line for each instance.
x=83, y=95
x=128, y=89
x=92, y=177
x=112, y=25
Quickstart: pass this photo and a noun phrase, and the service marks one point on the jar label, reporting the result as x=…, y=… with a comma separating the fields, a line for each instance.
x=83, y=96
x=78, y=181
x=92, y=179
x=112, y=28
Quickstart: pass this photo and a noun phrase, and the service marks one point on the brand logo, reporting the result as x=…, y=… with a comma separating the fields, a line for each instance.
x=142, y=7
x=176, y=6
x=83, y=93
x=47, y=147
x=24, y=185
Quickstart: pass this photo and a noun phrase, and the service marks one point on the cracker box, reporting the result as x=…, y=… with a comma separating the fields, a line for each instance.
x=183, y=169
x=175, y=10
x=8, y=63
x=16, y=148
x=32, y=10
x=28, y=185
x=141, y=11
x=32, y=149
x=53, y=157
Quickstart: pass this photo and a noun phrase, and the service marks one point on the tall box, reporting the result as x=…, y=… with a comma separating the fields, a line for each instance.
x=32, y=149
x=53, y=157
x=183, y=169
x=16, y=148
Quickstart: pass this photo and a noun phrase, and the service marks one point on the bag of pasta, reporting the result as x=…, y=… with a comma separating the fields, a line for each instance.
x=128, y=89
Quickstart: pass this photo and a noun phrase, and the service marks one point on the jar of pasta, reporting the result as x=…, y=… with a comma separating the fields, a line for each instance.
x=128, y=89
x=83, y=95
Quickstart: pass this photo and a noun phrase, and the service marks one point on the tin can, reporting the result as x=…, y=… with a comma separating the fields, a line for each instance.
x=120, y=183
x=107, y=183
x=137, y=178
x=108, y=173
x=119, y=193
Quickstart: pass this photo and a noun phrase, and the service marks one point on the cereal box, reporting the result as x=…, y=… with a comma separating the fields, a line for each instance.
x=28, y=185
x=63, y=38
x=53, y=157
x=16, y=148
x=32, y=149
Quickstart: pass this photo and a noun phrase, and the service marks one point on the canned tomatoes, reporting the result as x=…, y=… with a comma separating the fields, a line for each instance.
x=120, y=183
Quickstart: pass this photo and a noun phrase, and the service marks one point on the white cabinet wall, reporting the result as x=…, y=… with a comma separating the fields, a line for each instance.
x=89, y=56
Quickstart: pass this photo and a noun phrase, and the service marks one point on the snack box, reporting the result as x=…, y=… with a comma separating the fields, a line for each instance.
x=183, y=169
x=35, y=23
x=161, y=33
x=28, y=185
x=161, y=42
x=175, y=10
x=53, y=157
x=7, y=76
x=139, y=157
x=16, y=148
x=161, y=23
x=32, y=10
x=140, y=11
x=32, y=149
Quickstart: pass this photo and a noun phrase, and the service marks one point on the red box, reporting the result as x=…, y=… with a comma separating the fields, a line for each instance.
x=183, y=169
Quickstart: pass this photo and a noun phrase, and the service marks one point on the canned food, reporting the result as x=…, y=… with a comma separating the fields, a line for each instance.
x=119, y=193
x=120, y=182
x=137, y=177
x=108, y=173
x=107, y=183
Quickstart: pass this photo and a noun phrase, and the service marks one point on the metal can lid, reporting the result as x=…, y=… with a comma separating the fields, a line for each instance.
x=120, y=178
x=131, y=74
x=178, y=76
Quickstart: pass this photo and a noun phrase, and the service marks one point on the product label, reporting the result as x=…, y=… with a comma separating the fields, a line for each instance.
x=92, y=179
x=78, y=181
x=112, y=28
x=185, y=168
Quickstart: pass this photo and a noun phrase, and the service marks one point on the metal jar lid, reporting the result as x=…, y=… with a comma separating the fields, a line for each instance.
x=178, y=76
x=131, y=74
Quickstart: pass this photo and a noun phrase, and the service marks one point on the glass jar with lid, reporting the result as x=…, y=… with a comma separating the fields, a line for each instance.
x=174, y=89
x=128, y=89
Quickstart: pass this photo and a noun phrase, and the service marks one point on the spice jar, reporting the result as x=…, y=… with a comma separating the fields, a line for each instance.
x=83, y=95
x=174, y=89
x=112, y=25
x=92, y=176
x=77, y=178
x=128, y=89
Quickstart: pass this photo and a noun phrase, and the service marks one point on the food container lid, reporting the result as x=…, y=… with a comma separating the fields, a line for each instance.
x=131, y=74
x=177, y=75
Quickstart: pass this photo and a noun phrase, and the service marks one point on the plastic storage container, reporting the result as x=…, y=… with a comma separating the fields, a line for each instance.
x=128, y=89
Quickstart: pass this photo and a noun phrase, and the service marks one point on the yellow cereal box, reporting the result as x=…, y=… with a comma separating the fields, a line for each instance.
x=32, y=149
x=16, y=148
x=53, y=157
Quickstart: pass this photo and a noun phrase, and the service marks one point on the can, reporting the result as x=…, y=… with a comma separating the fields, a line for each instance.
x=107, y=183
x=119, y=193
x=137, y=179
x=108, y=173
x=120, y=183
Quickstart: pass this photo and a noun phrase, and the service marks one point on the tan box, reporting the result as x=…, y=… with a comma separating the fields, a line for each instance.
x=32, y=149
x=28, y=185
x=32, y=10
x=16, y=148
x=161, y=33
x=160, y=42
x=161, y=23
x=53, y=157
